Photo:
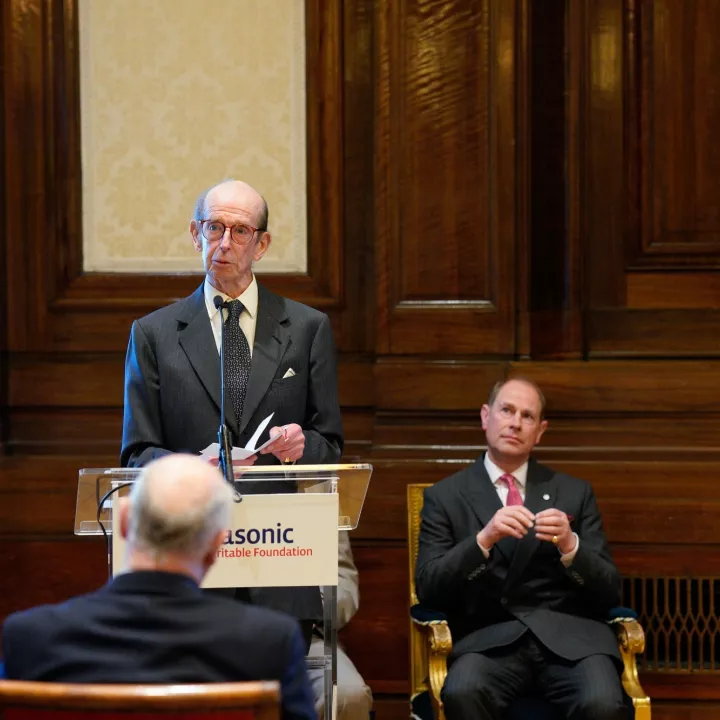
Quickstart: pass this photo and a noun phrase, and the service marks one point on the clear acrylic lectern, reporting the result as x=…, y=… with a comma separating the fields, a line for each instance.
x=98, y=488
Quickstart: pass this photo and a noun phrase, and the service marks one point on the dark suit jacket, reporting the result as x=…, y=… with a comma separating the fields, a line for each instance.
x=491, y=603
x=172, y=381
x=172, y=394
x=154, y=627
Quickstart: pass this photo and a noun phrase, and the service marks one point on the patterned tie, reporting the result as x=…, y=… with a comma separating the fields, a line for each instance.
x=237, y=357
x=514, y=497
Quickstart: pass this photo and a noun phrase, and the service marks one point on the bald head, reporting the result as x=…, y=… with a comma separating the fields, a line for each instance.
x=234, y=194
x=180, y=483
x=179, y=505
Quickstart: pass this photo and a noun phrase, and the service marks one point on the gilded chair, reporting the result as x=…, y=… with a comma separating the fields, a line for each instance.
x=20, y=700
x=431, y=643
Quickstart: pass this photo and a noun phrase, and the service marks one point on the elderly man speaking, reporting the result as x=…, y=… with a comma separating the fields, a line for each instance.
x=280, y=360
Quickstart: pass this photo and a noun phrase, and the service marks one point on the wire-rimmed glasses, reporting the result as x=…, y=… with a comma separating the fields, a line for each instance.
x=240, y=234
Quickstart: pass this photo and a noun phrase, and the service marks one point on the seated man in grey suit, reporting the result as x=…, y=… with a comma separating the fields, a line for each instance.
x=153, y=624
x=515, y=555
x=354, y=699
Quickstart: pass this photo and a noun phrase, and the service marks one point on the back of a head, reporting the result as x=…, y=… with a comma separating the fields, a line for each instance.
x=177, y=507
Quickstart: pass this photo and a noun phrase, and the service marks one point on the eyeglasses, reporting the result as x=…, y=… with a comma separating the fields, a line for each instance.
x=240, y=234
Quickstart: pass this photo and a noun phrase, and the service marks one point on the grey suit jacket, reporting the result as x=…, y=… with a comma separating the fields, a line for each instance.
x=172, y=393
x=348, y=587
x=522, y=585
x=348, y=592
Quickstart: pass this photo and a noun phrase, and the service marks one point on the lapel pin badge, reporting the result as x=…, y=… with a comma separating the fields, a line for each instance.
x=546, y=496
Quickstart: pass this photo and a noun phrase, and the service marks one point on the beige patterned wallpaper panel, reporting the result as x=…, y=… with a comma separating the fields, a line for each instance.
x=175, y=96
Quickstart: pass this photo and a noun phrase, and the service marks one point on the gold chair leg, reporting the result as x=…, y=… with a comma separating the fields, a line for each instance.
x=440, y=647
x=631, y=640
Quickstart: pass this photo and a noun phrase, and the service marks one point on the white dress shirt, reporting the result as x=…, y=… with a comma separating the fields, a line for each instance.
x=502, y=490
x=248, y=317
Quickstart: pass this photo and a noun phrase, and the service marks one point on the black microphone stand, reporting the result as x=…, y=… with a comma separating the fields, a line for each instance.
x=224, y=435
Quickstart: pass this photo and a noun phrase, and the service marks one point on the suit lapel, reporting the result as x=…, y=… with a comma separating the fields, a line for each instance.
x=539, y=495
x=483, y=499
x=198, y=342
x=271, y=339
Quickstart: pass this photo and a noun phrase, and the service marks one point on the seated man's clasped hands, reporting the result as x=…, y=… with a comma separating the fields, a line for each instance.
x=515, y=555
x=516, y=520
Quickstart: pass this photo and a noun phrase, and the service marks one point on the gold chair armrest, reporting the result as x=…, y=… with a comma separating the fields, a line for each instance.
x=439, y=639
x=631, y=641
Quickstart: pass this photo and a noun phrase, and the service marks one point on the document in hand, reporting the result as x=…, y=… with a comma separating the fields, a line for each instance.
x=213, y=450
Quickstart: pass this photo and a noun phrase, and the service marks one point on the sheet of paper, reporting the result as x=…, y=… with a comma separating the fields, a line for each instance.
x=256, y=435
x=213, y=450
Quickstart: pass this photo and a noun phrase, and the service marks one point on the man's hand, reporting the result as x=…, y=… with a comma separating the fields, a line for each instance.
x=554, y=523
x=288, y=445
x=511, y=520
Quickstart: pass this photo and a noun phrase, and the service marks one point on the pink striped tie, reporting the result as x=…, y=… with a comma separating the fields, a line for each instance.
x=514, y=497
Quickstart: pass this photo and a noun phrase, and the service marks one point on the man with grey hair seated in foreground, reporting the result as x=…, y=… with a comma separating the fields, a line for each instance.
x=153, y=624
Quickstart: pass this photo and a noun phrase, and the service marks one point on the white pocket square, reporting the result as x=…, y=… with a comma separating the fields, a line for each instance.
x=289, y=373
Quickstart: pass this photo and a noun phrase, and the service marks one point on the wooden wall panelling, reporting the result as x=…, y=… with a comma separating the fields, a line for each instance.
x=674, y=710
x=38, y=494
x=459, y=434
x=354, y=327
x=430, y=385
x=23, y=217
x=395, y=709
x=72, y=402
x=324, y=43
x=52, y=304
x=96, y=380
x=687, y=386
x=74, y=431
x=445, y=176
x=523, y=170
x=628, y=387
x=652, y=216
x=4, y=416
x=554, y=278
x=49, y=570
x=377, y=638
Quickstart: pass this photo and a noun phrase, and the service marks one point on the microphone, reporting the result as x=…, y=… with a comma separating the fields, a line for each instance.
x=224, y=436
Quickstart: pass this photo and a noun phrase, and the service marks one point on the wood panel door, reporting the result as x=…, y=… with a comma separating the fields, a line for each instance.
x=446, y=196
x=651, y=175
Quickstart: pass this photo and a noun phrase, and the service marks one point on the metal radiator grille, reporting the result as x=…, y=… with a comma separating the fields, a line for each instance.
x=680, y=619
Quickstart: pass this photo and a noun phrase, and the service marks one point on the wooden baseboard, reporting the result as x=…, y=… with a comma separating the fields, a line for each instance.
x=393, y=707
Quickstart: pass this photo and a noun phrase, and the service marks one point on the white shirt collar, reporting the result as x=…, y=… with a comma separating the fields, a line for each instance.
x=496, y=473
x=249, y=298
